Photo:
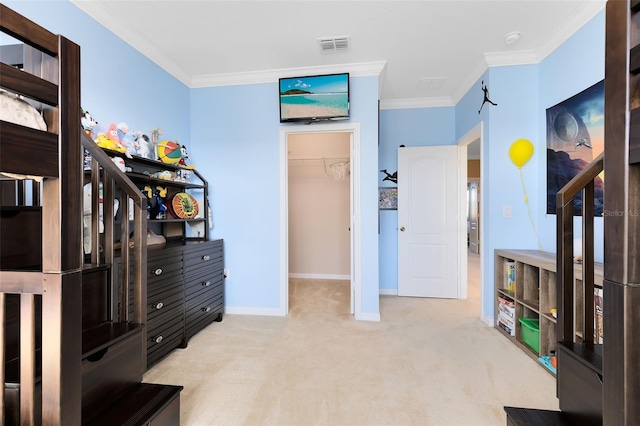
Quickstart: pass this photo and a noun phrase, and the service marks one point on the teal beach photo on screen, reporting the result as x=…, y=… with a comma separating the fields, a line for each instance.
x=322, y=97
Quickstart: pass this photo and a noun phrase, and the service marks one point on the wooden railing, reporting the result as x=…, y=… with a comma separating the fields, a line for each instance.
x=583, y=183
x=51, y=81
x=106, y=174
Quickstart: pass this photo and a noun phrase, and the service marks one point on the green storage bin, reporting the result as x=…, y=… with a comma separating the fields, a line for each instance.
x=531, y=333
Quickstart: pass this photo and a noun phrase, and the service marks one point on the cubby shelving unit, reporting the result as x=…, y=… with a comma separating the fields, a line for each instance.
x=534, y=295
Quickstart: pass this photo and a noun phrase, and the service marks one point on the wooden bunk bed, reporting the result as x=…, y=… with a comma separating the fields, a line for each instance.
x=70, y=355
x=599, y=384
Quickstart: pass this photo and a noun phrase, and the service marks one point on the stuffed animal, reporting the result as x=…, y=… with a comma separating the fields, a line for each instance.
x=130, y=140
x=144, y=145
x=106, y=142
x=88, y=122
x=112, y=133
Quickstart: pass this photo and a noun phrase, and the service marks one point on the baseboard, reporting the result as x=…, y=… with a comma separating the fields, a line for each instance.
x=367, y=317
x=487, y=320
x=236, y=310
x=388, y=292
x=319, y=276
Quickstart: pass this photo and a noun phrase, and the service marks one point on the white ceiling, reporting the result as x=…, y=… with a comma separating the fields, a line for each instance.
x=213, y=43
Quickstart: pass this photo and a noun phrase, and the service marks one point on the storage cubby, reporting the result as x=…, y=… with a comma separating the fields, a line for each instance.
x=534, y=296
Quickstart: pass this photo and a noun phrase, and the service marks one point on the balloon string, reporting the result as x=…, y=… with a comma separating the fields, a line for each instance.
x=526, y=200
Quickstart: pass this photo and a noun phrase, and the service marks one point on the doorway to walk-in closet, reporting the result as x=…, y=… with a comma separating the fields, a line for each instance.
x=319, y=223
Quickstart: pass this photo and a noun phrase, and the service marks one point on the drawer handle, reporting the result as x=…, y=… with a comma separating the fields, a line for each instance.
x=158, y=339
x=206, y=283
x=157, y=271
x=207, y=309
x=158, y=305
x=206, y=257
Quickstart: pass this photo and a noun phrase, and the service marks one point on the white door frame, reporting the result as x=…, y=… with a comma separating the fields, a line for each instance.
x=474, y=134
x=356, y=234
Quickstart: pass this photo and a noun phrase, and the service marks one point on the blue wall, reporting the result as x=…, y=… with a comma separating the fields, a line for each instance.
x=573, y=67
x=409, y=127
x=118, y=84
x=523, y=94
x=236, y=133
x=233, y=135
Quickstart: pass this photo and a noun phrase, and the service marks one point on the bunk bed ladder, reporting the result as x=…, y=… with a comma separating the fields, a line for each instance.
x=61, y=365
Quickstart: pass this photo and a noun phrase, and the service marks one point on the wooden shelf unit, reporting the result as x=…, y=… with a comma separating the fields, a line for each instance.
x=534, y=295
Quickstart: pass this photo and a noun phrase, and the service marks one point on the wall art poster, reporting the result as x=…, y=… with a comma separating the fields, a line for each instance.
x=388, y=199
x=575, y=136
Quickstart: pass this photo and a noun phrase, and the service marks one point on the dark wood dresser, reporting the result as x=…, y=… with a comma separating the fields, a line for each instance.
x=185, y=293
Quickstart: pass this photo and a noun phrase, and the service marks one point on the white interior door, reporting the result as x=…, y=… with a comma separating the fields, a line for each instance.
x=429, y=233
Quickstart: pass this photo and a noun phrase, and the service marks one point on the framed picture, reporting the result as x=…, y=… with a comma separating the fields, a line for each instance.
x=575, y=136
x=388, y=198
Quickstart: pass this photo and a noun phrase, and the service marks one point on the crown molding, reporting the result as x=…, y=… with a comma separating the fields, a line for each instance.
x=584, y=14
x=442, y=101
x=269, y=76
x=104, y=16
x=520, y=57
x=472, y=77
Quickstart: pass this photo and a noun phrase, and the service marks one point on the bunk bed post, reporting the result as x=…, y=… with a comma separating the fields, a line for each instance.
x=62, y=256
x=621, y=289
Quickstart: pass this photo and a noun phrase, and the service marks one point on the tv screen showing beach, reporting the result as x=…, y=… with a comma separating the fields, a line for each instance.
x=320, y=97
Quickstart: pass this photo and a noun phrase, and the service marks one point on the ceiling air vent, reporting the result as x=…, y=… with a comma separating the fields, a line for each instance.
x=334, y=44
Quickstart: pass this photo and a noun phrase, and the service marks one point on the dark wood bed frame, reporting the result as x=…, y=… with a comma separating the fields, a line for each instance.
x=70, y=356
x=600, y=383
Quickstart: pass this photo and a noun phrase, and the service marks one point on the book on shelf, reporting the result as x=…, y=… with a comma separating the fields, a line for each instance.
x=509, y=330
x=597, y=317
x=510, y=275
x=507, y=311
x=506, y=302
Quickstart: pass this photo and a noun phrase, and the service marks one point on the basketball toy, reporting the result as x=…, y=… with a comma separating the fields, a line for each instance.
x=169, y=152
x=184, y=206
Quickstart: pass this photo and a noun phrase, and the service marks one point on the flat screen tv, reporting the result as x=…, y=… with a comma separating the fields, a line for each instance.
x=314, y=98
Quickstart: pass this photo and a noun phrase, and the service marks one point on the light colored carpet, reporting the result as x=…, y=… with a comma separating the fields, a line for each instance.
x=428, y=362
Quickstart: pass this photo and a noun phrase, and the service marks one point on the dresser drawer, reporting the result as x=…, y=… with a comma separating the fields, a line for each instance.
x=200, y=306
x=159, y=270
x=202, y=277
x=198, y=255
x=164, y=336
x=204, y=314
x=162, y=302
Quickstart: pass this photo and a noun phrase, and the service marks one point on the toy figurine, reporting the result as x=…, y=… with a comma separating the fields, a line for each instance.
x=144, y=146
x=87, y=121
x=156, y=207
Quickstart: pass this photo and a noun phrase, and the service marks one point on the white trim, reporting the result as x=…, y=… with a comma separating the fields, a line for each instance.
x=521, y=57
x=108, y=19
x=444, y=101
x=270, y=76
x=487, y=320
x=388, y=292
x=475, y=133
x=462, y=221
x=367, y=317
x=570, y=26
x=237, y=310
x=343, y=127
x=471, y=77
x=319, y=276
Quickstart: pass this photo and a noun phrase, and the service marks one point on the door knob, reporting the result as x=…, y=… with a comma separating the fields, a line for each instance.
x=402, y=229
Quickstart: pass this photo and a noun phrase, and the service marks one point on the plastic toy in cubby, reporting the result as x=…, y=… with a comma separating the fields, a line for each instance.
x=156, y=206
